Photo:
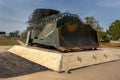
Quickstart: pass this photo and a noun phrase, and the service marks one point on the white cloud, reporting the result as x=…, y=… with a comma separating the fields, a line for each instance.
x=108, y=3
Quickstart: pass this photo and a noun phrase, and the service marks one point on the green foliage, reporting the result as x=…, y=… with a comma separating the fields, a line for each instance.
x=104, y=37
x=93, y=22
x=16, y=34
x=24, y=34
x=114, y=30
x=90, y=20
x=95, y=25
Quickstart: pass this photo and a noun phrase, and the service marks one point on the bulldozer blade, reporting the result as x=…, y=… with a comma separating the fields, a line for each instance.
x=59, y=62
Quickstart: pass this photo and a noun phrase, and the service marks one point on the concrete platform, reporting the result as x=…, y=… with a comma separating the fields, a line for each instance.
x=64, y=61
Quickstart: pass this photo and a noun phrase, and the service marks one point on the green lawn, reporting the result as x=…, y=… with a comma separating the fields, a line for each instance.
x=8, y=42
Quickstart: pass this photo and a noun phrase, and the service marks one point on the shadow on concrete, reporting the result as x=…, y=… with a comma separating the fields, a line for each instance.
x=13, y=66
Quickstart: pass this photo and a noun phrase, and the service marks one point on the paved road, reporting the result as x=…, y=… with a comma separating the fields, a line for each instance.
x=106, y=71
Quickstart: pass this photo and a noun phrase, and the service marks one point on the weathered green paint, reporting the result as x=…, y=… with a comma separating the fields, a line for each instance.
x=48, y=36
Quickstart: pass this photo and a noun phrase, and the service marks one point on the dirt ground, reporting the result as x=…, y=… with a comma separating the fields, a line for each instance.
x=4, y=48
x=13, y=67
x=110, y=45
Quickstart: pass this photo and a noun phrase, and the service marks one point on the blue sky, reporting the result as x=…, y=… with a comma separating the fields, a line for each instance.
x=14, y=13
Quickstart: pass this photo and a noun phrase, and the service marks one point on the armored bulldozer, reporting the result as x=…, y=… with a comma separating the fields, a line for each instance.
x=64, y=31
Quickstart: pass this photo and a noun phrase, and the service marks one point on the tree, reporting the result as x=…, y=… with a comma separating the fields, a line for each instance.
x=24, y=34
x=16, y=34
x=114, y=30
x=104, y=37
x=94, y=23
x=90, y=20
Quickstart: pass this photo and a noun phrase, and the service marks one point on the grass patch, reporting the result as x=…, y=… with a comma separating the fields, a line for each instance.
x=8, y=42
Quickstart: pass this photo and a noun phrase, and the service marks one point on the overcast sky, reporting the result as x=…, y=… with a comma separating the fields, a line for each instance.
x=14, y=13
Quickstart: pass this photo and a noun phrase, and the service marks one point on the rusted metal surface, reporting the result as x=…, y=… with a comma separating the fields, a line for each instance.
x=77, y=37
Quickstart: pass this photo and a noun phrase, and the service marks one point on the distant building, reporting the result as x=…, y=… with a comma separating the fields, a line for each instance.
x=2, y=35
x=11, y=35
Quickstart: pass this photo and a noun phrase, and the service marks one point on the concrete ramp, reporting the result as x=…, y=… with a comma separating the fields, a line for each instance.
x=58, y=61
